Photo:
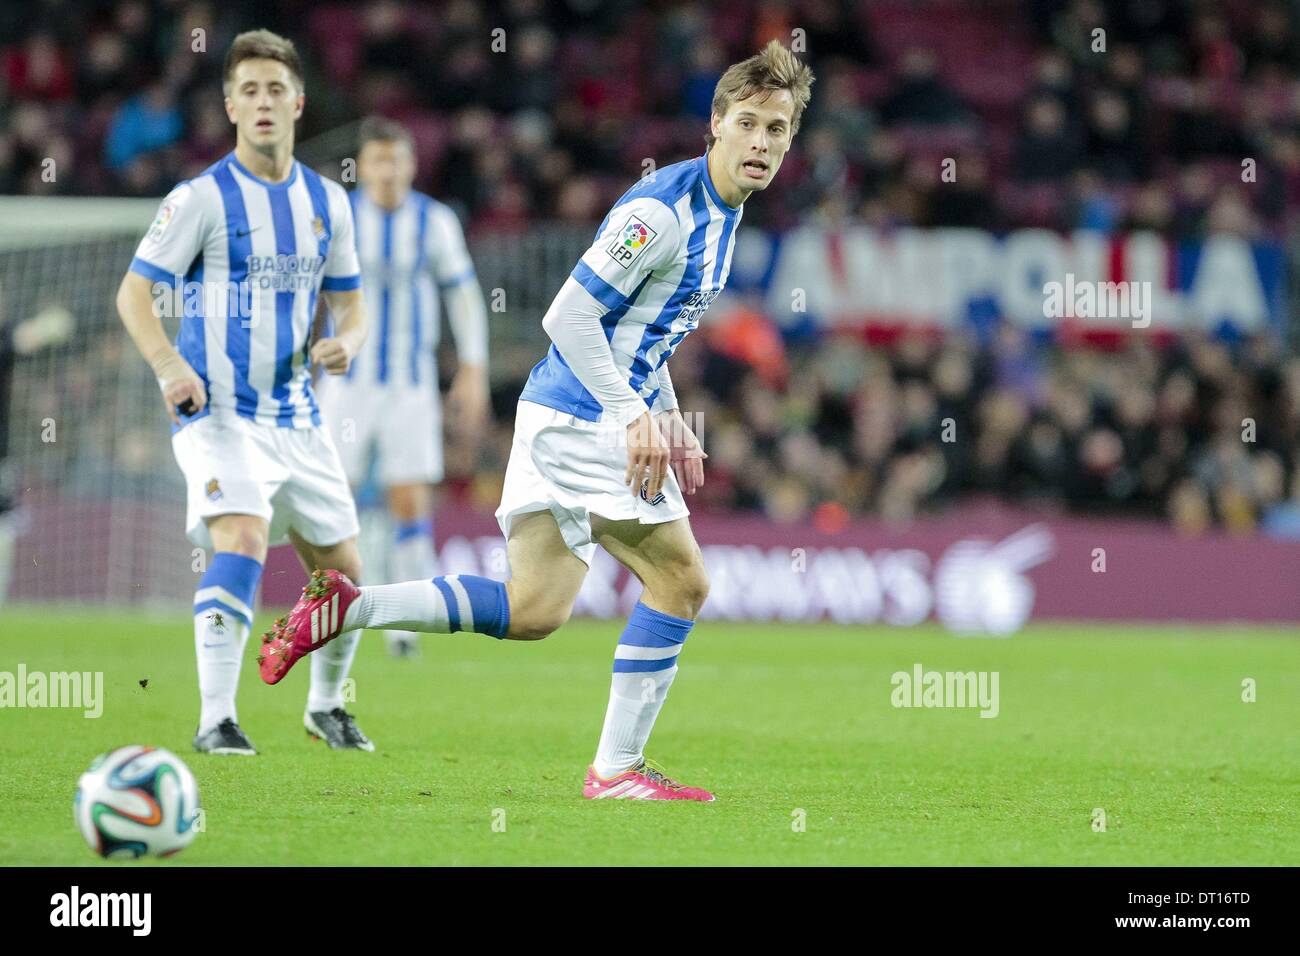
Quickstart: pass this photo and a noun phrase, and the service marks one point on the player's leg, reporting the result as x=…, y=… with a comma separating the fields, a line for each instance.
x=409, y=436
x=223, y=617
x=545, y=577
x=316, y=510
x=325, y=716
x=332, y=605
x=410, y=504
x=330, y=667
x=544, y=582
x=667, y=561
x=228, y=486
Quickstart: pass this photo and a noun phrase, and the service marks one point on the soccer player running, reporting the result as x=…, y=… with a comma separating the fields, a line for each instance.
x=601, y=453
x=411, y=248
x=258, y=236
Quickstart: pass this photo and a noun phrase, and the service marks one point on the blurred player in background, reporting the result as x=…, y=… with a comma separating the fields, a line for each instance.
x=262, y=236
x=411, y=248
x=601, y=453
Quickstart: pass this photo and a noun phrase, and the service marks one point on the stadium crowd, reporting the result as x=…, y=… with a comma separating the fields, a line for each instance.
x=1150, y=131
x=549, y=117
x=1190, y=432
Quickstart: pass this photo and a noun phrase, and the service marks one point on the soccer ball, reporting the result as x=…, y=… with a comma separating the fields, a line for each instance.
x=137, y=801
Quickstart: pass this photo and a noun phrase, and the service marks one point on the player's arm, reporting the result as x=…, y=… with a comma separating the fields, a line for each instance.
x=320, y=328
x=351, y=325
x=341, y=291
x=573, y=323
x=467, y=399
x=608, y=274
x=165, y=253
x=182, y=389
x=685, y=454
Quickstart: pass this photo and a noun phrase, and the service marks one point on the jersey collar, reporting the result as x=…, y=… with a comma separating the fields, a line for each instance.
x=728, y=211
x=293, y=174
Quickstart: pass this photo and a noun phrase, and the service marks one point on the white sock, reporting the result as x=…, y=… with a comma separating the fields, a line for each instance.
x=411, y=559
x=634, y=702
x=329, y=668
x=645, y=663
x=476, y=604
x=410, y=606
x=219, y=640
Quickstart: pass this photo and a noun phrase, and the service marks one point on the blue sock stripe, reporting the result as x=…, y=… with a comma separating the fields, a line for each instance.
x=488, y=601
x=237, y=573
x=453, y=606
x=421, y=527
x=622, y=666
x=647, y=627
x=230, y=583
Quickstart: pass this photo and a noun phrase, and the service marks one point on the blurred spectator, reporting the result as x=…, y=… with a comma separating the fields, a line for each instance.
x=920, y=96
x=1147, y=431
x=144, y=123
x=1048, y=149
x=129, y=98
x=556, y=124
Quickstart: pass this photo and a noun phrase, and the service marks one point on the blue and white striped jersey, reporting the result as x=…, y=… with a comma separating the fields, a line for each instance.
x=660, y=258
x=256, y=255
x=407, y=255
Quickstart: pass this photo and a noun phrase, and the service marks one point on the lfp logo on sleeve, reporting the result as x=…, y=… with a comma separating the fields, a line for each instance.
x=630, y=241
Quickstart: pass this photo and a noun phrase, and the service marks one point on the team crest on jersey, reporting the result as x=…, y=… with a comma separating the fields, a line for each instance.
x=318, y=227
x=213, y=490
x=630, y=241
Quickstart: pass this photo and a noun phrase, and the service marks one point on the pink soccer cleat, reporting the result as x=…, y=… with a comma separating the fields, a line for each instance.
x=315, y=620
x=642, y=782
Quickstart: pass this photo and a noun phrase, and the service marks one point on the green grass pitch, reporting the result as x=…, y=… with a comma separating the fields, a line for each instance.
x=1147, y=724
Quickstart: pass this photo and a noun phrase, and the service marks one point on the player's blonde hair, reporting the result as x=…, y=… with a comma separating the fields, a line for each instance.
x=261, y=45
x=772, y=68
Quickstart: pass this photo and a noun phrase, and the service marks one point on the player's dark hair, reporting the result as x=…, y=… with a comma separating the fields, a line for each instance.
x=380, y=129
x=261, y=45
x=772, y=68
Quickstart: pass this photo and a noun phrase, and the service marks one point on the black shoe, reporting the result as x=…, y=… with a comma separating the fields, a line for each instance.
x=337, y=728
x=225, y=738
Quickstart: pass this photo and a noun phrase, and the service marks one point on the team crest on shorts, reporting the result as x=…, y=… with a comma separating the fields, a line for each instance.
x=213, y=490
x=657, y=500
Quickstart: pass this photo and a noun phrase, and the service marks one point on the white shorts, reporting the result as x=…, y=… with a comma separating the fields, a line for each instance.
x=574, y=469
x=400, y=424
x=292, y=477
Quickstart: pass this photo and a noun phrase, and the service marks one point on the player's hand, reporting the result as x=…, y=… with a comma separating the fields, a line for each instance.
x=334, y=355
x=467, y=401
x=685, y=454
x=182, y=389
x=647, y=456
